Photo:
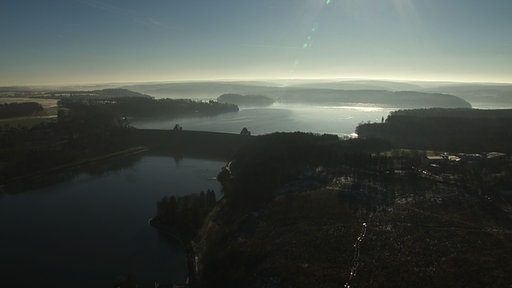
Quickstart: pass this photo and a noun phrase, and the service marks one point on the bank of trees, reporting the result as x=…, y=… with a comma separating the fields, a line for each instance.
x=459, y=130
x=11, y=110
x=269, y=161
x=184, y=215
x=86, y=128
x=254, y=234
x=82, y=132
x=150, y=108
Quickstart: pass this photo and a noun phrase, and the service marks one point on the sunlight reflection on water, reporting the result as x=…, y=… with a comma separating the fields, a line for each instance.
x=357, y=108
x=338, y=120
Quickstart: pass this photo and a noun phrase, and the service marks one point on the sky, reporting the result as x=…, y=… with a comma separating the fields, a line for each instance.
x=101, y=41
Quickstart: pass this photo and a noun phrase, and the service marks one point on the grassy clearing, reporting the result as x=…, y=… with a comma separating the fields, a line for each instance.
x=50, y=111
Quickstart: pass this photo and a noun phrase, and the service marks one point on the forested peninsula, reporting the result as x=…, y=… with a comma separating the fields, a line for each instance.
x=306, y=210
x=84, y=131
x=458, y=130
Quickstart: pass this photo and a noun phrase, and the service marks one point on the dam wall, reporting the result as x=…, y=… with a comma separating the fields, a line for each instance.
x=204, y=144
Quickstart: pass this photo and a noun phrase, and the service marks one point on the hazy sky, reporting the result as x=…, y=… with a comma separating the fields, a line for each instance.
x=77, y=41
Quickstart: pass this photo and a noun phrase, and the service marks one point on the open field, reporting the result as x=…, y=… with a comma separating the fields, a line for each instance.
x=50, y=111
x=46, y=103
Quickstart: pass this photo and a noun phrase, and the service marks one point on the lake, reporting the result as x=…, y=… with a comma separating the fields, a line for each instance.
x=339, y=120
x=87, y=231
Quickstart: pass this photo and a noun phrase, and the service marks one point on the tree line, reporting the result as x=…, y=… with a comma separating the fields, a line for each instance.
x=267, y=162
x=184, y=215
x=458, y=130
x=151, y=108
x=10, y=110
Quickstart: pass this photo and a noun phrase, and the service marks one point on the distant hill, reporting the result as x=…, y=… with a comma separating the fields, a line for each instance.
x=119, y=93
x=361, y=85
x=484, y=95
x=401, y=99
x=201, y=90
x=304, y=95
x=330, y=92
x=57, y=94
x=109, y=93
x=144, y=107
x=321, y=91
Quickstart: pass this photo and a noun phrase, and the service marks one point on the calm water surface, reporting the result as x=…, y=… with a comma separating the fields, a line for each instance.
x=339, y=120
x=89, y=230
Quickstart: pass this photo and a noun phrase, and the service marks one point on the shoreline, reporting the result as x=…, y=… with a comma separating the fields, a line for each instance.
x=187, y=247
x=177, y=144
x=37, y=177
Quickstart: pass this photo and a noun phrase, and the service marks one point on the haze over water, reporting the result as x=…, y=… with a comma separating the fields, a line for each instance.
x=338, y=120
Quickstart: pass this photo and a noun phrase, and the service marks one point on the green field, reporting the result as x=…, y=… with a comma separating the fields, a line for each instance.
x=50, y=111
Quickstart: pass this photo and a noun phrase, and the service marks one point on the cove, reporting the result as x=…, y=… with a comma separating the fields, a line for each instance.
x=87, y=231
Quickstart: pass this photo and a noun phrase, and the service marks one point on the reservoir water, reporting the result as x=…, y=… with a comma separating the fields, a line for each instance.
x=87, y=231
x=339, y=120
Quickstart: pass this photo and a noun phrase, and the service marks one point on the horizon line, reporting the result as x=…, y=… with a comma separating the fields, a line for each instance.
x=255, y=79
